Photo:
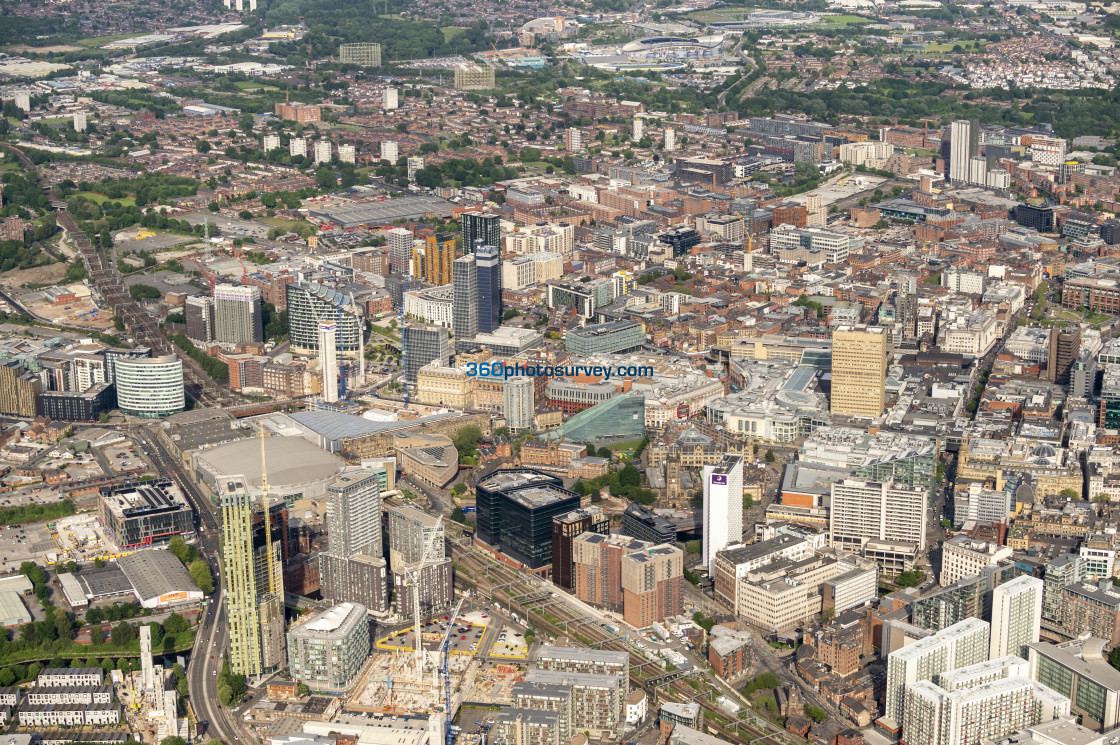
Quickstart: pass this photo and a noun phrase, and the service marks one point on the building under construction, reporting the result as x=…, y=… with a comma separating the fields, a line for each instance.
x=474, y=78
x=365, y=55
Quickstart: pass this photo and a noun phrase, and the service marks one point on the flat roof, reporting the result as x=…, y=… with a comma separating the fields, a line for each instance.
x=290, y=461
x=580, y=654
x=387, y=211
x=331, y=425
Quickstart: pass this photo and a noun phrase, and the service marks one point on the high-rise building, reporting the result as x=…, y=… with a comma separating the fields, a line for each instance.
x=271, y=142
x=415, y=164
x=723, y=506
x=983, y=713
x=865, y=511
x=424, y=345
x=400, y=249
x=389, y=151
x=347, y=154
x=150, y=387
x=237, y=314
x=414, y=536
x=1065, y=345
x=327, y=651
x=637, y=129
x=565, y=530
x=199, y=312
x=959, y=645
x=312, y=304
x=328, y=359
x=79, y=121
x=464, y=311
x=907, y=305
x=322, y=151
x=253, y=578
x=481, y=226
x=489, y=299
x=1079, y=670
x=652, y=585
x=517, y=404
x=670, y=142
x=964, y=136
x=353, y=567
x=389, y=99
x=859, y=370
x=431, y=261
x=573, y=139
x=297, y=146
x=1016, y=616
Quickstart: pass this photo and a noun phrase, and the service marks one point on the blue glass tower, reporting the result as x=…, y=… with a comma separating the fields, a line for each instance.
x=488, y=267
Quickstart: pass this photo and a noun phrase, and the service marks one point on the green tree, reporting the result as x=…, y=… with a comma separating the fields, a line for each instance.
x=325, y=178
x=630, y=476
x=200, y=573
x=1070, y=494
x=748, y=501
x=816, y=713
x=770, y=456
x=458, y=515
x=694, y=546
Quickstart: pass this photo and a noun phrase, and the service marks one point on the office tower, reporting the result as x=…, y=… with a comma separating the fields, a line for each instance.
x=670, y=142
x=400, y=249
x=481, y=226
x=322, y=151
x=431, y=261
x=424, y=345
x=859, y=370
x=517, y=404
x=962, y=644
x=573, y=139
x=347, y=154
x=80, y=121
x=414, y=536
x=353, y=566
x=1065, y=345
x=389, y=151
x=488, y=265
x=978, y=170
x=865, y=511
x=389, y=99
x=297, y=146
x=253, y=581
x=1016, y=616
x=964, y=137
x=415, y=163
x=637, y=129
x=312, y=304
x=464, y=292
x=723, y=506
x=199, y=312
x=328, y=359
x=237, y=314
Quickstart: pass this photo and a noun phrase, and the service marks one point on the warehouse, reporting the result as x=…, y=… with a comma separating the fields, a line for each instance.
x=155, y=579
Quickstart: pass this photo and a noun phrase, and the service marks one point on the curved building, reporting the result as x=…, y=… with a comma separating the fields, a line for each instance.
x=679, y=47
x=296, y=468
x=150, y=387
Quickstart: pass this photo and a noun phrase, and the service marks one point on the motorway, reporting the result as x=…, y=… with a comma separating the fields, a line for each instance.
x=202, y=681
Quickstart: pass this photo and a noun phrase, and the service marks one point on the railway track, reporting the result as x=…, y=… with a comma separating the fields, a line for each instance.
x=552, y=614
x=199, y=386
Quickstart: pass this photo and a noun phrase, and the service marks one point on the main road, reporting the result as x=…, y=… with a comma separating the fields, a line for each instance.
x=202, y=673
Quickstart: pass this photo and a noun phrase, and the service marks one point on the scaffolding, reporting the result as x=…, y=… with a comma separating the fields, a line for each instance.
x=364, y=55
x=474, y=78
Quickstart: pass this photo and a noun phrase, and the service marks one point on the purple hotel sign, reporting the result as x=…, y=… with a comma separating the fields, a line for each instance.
x=719, y=478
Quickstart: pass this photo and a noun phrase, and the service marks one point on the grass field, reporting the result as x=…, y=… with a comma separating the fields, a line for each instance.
x=968, y=46
x=250, y=87
x=450, y=32
x=723, y=14
x=101, y=198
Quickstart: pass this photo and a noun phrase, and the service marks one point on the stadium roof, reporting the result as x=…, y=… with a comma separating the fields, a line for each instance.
x=290, y=461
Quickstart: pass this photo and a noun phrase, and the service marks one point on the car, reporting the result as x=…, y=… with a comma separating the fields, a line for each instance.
x=462, y=638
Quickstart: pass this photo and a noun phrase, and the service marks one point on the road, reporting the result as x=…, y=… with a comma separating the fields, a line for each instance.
x=202, y=680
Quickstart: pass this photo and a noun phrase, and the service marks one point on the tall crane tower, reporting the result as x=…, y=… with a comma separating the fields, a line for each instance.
x=413, y=576
x=267, y=519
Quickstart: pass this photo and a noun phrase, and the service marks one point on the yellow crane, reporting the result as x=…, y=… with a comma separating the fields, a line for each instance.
x=748, y=260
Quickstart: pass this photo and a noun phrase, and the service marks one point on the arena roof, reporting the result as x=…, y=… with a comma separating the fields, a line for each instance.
x=385, y=212
x=290, y=461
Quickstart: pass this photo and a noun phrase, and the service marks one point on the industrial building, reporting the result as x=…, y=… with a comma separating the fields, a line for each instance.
x=142, y=513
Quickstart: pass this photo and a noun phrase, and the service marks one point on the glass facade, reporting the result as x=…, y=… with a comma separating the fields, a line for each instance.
x=969, y=598
x=150, y=388
x=620, y=417
x=489, y=288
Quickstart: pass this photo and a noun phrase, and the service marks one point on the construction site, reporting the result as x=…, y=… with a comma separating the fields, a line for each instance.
x=150, y=698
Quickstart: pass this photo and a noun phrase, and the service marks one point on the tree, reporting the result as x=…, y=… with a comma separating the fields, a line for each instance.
x=325, y=178
x=748, y=501
x=1070, y=494
x=629, y=476
x=816, y=713
x=303, y=690
x=458, y=515
x=910, y=579
x=176, y=624
x=769, y=456
x=200, y=573
x=214, y=207
x=693, y=546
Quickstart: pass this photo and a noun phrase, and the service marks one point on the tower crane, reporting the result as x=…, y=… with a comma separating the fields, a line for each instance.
x=414, y=574
x=445, y=668
x=748, y=260
x=267, y=520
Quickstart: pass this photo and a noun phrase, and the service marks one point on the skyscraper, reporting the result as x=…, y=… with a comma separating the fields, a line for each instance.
x=400, y=249
x=432, y=261
x=389, y=99
x=389, y=151
x=328, y=359
x=414, y=536
x=488, y=264
x=723, y=506
x=237, y=314
x=859, y=370
x=484, y=226
x=1065, y=345
x=670, y=142
x=907, y=304
x=253, y=581
x=353, y=567
x=1016, y=616
x=312, y=304
x=464, y=311
x=964, y=136
x=517, y=403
